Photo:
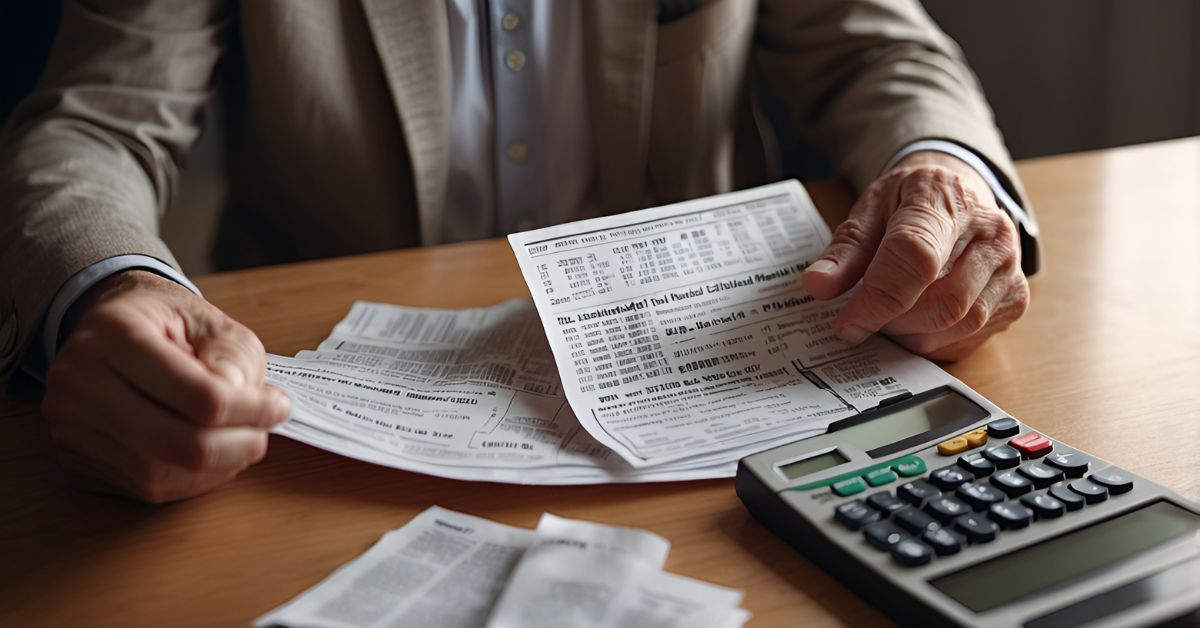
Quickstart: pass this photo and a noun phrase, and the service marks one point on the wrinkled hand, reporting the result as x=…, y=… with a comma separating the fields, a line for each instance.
x=157, y=394
x=940, y=262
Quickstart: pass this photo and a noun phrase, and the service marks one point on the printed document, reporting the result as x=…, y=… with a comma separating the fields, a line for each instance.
x=453, y=570
x=685, y=330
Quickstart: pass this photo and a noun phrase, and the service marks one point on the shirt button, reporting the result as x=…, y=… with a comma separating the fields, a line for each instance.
x=515, y=60
x=510, y=21
x=517, y=151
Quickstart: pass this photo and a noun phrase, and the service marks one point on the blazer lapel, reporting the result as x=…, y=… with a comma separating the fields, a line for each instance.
x=412, y=38
x=621, y=37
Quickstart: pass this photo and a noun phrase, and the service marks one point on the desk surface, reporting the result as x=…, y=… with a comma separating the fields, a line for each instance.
x=1108, y=359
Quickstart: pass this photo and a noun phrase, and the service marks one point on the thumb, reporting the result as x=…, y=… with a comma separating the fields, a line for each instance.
x=230, y=350
x=851, y=250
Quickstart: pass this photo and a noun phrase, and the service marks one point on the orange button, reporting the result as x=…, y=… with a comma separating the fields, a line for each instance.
x=1032, y=444
x=953, y=446
x=976, y=438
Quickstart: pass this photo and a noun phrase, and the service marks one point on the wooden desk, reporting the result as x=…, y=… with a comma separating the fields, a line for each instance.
x=1108, y=358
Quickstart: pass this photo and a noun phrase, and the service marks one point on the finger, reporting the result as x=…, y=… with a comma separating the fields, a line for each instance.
x=917, y=245
x=948, y=300
x=163, y=436
x=166, y=373
x=229, y=349
x=98, y=463
x=854, y=242
x=1001, y=302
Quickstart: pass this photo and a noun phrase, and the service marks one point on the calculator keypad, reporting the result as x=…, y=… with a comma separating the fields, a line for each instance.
x=1007, y=486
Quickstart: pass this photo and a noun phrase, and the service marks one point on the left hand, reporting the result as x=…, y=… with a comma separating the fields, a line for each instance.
x=940, y=262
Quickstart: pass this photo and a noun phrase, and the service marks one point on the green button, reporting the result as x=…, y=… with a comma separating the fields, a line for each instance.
x=909, y=466
x=879, y=477
x=849, y=487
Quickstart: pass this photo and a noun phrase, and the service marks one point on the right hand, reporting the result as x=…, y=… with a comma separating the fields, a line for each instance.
x=157, y=394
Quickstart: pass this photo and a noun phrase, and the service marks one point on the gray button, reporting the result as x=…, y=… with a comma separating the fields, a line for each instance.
x=510, y=21
x=515, y=60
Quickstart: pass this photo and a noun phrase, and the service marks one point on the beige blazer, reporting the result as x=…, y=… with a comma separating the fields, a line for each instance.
x=338, y=119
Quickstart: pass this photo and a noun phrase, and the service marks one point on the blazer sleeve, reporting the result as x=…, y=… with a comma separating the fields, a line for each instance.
x=89, y=161
x=862, y=79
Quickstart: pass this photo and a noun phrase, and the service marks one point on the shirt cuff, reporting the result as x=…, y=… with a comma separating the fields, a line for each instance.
x=42, y=353
x=1003, y=198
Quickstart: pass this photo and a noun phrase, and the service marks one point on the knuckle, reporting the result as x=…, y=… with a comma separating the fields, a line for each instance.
x=851, y=233
x=884, y=298
x=209, y=403
x=914, y=253
x=152, y=483
x=976, y=318
x=951, y=308
x=201, y=454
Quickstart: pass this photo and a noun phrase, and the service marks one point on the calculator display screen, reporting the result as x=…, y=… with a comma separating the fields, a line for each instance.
x=939, y=414
x=1038, y=567
x=801, y=468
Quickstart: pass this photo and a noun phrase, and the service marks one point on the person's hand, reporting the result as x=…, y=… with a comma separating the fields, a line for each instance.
x=157, y=394
x=939, y=261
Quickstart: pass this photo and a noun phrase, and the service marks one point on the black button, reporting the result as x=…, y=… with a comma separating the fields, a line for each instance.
x=1001, y=428
x=1010, y=515
x=883, y=534
x=951, y=477
x=1092, y=493
x=917, y=491
x=1069, y=498
x=1115, y=480
x=1004, y=456
x=885, y=502
x=977, y=528
x=911, y=552
x=942, y=541
x=855, y=514
x=977, y=464
x=946, y=508
x=914, y=520
x=1072, y=463
x=980, y=495
x=1040, y=474
x=1044, y=506
x=1012, y=483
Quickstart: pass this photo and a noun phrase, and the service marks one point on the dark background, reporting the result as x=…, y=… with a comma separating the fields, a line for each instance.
x=1062, y=76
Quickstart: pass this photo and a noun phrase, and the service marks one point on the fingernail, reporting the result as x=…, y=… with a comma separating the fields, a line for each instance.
x=230, y=371
x=853, y=334
x=822, y=266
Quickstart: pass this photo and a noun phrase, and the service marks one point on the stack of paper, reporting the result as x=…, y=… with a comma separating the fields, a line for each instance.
x=453, y=570
x=672, y=342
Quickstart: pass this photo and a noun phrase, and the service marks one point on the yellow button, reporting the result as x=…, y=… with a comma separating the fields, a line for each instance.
x=515, y=60
x=517, y=151
x=510, y=21
x=952, y=446
x=976, y=438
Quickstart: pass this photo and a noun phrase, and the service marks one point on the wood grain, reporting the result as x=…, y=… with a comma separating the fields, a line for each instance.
x=1108, y=358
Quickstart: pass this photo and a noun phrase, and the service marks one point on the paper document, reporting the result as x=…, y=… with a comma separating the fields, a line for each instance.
x=468, y=394
x=453, y=570
x=685, y=330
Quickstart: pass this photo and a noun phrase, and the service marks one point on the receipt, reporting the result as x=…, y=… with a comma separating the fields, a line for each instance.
x=685, y=330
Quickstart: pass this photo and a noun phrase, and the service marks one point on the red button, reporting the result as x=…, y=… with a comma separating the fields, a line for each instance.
x=1032, y=444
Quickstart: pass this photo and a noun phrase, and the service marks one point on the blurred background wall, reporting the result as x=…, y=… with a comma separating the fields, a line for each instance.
x=1062, y=76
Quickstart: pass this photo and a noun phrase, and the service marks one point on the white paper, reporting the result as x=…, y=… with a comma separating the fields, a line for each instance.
x=468, y=394
x=581, y=574
x=442, y=569
x=452, y=570
x=685, y=330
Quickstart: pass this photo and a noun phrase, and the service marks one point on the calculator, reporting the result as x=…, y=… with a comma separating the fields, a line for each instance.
x=940, y=509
